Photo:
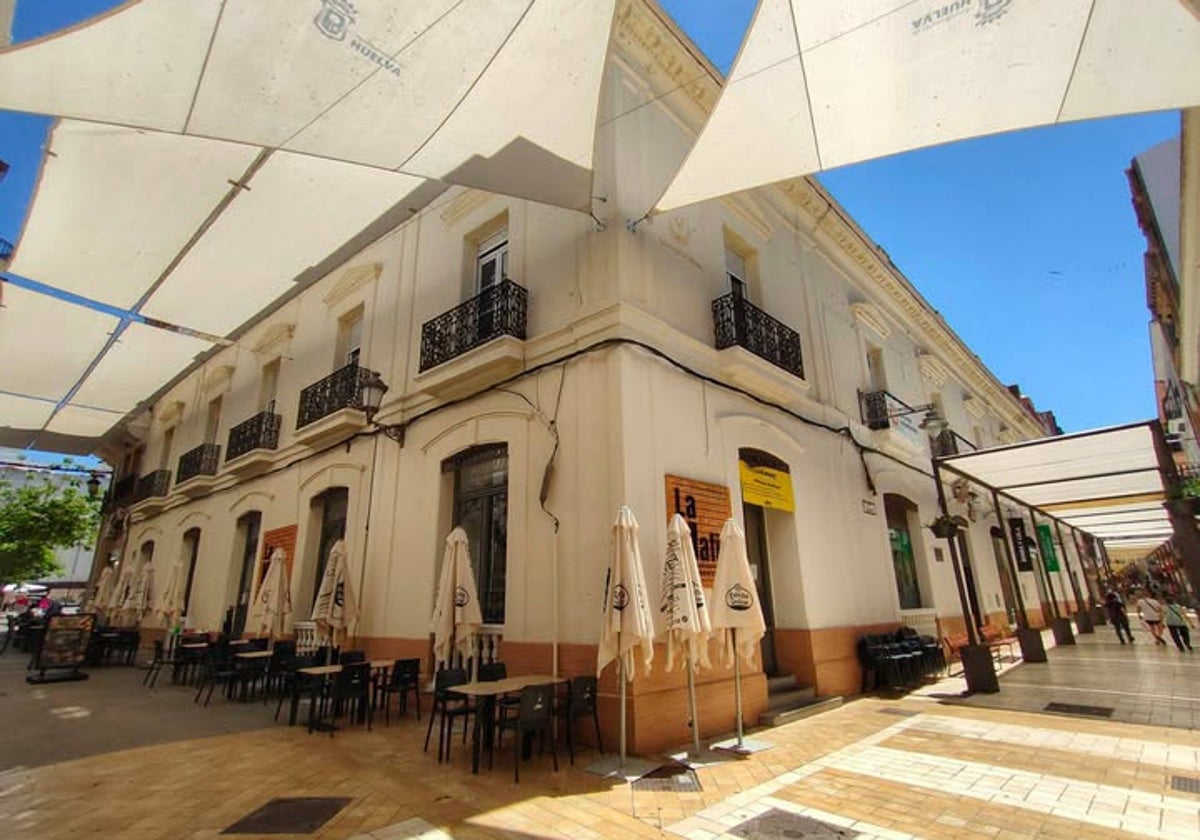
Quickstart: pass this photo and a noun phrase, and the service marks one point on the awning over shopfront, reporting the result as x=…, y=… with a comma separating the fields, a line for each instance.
x=819, y=85
x=1106, y=483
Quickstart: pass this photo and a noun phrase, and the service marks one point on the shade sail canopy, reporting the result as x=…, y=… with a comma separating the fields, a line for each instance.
x=202, y=234
x=496, y=94
x=1106, y=483
x=819, y=84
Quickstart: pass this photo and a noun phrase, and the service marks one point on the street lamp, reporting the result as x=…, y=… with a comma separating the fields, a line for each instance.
x=93, y=486
x=370, y=398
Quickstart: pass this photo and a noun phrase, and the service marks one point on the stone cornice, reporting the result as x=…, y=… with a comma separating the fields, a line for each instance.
x=933, y=370
x=218, y=379
x=869, y=315
x=274, y=338
x=352, y=279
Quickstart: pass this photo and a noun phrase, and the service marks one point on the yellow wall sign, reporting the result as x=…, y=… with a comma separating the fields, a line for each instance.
x=766, y=480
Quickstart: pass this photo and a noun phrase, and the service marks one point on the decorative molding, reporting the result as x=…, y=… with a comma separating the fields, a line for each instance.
x=352, y=279
x=870, y=316
x=243, y=501
x=932, y=369
x=465, y=203
x=748, y=211
x=170, y=412
x=975, y=406
x=273, y=337
x=218, y=380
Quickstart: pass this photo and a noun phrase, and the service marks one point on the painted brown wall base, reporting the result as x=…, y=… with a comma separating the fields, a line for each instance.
x=827, y=658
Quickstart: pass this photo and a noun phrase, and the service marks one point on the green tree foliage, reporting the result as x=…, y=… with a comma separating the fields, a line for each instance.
x=40, y=512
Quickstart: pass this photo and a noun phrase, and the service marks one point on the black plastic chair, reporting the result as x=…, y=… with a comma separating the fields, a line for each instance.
x=351, y=657
x=351, y=693
x=492, y=672
x=580, y=702
x=158, y=661
x=447, y=707
x=534, y=714
x=406, y=677
x=218, y=669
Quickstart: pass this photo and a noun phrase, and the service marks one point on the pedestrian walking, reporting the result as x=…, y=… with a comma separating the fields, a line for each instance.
x=1178, y=622
x=1150, y=610
x=1115, y=607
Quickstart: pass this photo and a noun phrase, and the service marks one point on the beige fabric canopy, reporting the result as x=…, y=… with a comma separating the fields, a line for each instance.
x=822, y=84
x=1106, y=482
x=496, y=94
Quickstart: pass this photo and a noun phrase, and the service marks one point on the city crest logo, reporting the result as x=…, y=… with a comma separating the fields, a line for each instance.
x=738, y=597
x=461, y=598
x=335, y=19
x=620, y=597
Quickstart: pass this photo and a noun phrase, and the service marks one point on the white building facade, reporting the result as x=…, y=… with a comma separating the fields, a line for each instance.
x=544, y=370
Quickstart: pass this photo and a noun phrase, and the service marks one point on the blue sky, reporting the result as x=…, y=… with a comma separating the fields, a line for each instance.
x=1026, y=243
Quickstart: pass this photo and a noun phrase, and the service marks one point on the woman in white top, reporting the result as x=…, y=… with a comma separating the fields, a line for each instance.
x=1151, y=612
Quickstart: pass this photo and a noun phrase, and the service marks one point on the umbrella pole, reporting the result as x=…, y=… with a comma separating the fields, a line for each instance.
x=621, y=679
x=737, y=687
x=691, y=687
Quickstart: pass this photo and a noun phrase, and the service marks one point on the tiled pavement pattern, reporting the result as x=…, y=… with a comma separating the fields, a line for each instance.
x=946, y=772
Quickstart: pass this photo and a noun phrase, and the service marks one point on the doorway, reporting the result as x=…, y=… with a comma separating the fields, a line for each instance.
x=1002, y=571
x=334, y=504
x=756, y=550
x=249, y=526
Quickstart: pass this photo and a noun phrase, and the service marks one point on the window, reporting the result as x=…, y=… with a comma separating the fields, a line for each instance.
x=350, y=338
x=164, y=457
x=268, y=386
x=333, y=504
x=491, y=261
x=735, y=270
x=481, y=509
x=212, y=422
x=876, y=379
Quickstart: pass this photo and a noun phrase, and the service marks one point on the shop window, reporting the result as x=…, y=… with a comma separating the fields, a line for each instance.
x=481, y=509
x=904, y=564
x=191, y=551
x=248, y=527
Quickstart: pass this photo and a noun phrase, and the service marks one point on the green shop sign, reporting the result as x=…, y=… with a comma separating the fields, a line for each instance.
x=1047, y=544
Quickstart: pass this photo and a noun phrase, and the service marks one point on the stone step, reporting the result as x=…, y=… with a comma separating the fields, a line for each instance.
x=795, y=695
x=806, y=708
x=781, y=682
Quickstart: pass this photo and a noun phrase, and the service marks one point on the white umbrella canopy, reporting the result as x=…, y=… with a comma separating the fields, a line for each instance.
x=681, y=600
x=627, y=632
x=335, y=609
x=120, y=591
x=138, y=601
x=736, y=613
x=170, y=601
x=103, y=590
x=273, y=601
x=825, y=84
x=456, y=615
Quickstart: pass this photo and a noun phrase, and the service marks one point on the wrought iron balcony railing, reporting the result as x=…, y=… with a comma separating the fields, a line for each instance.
x=337, y=391
x=152, y=485
x=496, y=311
x=876, y=407
x=739, y=322
x=120, y=493
x=202, y=460
x=259, y=432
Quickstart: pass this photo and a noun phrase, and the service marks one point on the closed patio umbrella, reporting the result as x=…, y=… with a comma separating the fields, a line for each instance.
x=273, y=602
x=627, y=633
x=335, y=608
x=684, y=612
x=736, y=613
x=103, y=590
x=120, y=590
x=170, y=601
x=456, y=615
x=137, y=604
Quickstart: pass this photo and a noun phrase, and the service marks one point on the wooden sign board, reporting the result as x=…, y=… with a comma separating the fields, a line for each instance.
x=705, y=506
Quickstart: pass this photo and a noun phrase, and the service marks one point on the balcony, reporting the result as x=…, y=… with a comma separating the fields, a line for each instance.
x=329, y=408
x=883, y=412
x=495, y=312
x=252, y=442
x=150, y=493
x=121, y=494
x=747, y=337
x=198, y=470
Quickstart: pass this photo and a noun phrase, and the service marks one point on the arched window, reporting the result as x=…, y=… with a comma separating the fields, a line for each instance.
x=245, y=551
x=332, y=506
x=191, y=551
x=481, y=509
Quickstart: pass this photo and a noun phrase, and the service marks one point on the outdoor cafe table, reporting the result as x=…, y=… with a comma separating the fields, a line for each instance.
x=317, y=675
x=247, y=660
x=485, y=694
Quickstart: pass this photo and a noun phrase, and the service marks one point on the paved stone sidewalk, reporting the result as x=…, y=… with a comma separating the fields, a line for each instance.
x=874, y=769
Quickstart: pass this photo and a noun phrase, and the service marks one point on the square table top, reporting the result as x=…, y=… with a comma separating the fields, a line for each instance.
x=194, y=646
x=504, y=686
x=320, y=670
x=253, y=654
